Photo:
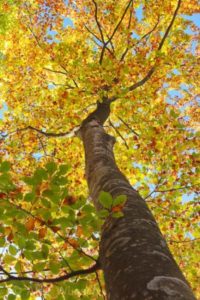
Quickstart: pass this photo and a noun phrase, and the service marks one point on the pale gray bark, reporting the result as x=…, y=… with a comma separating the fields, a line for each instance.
x=134, y=256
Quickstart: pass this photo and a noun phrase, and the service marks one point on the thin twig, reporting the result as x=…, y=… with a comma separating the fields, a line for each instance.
x=184, y=241
x=146, y=35
x=118, y=132
x=56, y=71
x=100, y=286
x=128, y=38
x=114, y=31
x=126, y=124
x=154, y=190
x=176, y=189
x=169, y=190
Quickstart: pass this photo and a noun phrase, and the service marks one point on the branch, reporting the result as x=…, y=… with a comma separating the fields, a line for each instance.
x=114, y=31
x=176, y=189
x=128, y=38
x=25, y=272
x=100, y=285
x=92, y=33
x=142, y=38
x=47, y=134
x=126, y=124
x=119, y=23
x=98, y=39
x=97, y=21
x=154, y=190
x=10, y=277
x=57, y=233
x=184, y=241
x=170, y=25
x=42, y=48
x=141, y=82
x=56, y=71
x=151, y=71
x=42, y=145
x=169, y=190
x=118, y=132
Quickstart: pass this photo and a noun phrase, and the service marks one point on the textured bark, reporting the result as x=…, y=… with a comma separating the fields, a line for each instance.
x=134, y=256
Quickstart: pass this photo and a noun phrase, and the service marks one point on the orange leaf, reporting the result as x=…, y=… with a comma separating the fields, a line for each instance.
x=117, y=208
x=30, y=224
x=2, y=195
x=55, y=228
x=79, y=231
x=10, y=236
x=42, y=232
x=73, y=243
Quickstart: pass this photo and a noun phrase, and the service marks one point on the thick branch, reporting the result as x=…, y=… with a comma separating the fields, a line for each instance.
x=151, y=71
x=47, y=134
x=101, y=113
x=10, y=277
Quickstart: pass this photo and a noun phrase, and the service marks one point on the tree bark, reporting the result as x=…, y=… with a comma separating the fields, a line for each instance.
x=134, y=256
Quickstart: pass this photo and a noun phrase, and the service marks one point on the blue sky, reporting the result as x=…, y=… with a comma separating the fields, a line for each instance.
x=4, y=108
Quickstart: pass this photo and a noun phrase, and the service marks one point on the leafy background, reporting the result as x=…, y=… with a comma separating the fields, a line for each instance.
x=50, y=80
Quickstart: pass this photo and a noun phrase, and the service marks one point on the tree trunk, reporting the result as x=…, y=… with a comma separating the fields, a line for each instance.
x=134, y=256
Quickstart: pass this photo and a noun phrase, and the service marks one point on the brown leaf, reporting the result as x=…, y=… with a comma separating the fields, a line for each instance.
x=42, y=232
x=30, y=224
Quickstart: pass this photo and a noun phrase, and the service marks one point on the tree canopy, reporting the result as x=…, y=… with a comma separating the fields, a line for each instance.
x=58, y=59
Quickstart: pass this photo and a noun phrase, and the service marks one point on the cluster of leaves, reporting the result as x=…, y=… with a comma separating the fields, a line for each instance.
x=45, y=232
x=111, y=207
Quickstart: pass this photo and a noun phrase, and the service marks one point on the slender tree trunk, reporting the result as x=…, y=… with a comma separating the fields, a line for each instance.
x=134, y=256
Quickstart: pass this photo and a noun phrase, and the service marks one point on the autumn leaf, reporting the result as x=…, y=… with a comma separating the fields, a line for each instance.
x=42, y=232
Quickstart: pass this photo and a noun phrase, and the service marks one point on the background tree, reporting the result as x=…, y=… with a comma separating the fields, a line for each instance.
x=57, y=60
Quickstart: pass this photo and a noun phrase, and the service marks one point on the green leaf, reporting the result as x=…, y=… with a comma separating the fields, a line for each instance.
x=3, y=291
x=30, y=180
x=13, y=250
x=40, y=174
x=173, y=114
x=45, y=251
x=39, y=267
x=119, y=200
x=103, y=213
x=63, y=169
x=54, y=267
x=18, y=266
x=25, y=295
x=8, y=259
x=51, y=167
x=29, y=197
x=64, y=222
x=117, y=214
x=81, y=284
x=59, y=180
x=11, y=297
x=21, y=242
x=5, y=166
x=5, y=181
x=105, y=199
x=2, y=241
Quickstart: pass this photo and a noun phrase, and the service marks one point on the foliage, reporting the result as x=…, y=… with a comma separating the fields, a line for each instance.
x=57, y=58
